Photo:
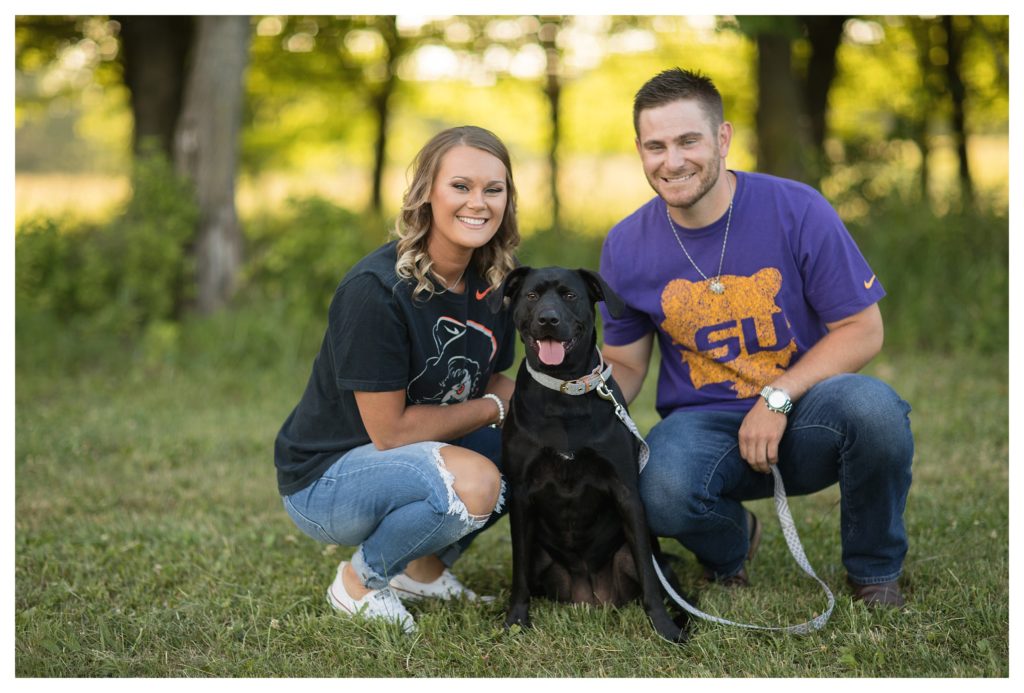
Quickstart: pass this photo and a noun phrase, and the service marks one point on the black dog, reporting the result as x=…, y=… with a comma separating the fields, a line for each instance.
x=579, y=533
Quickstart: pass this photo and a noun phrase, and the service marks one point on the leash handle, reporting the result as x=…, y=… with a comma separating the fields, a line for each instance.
x=797, y=551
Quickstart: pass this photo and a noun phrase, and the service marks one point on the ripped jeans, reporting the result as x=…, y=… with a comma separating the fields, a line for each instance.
x=395, y=505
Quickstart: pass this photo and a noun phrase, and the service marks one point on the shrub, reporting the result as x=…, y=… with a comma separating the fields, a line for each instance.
x=300, y=257
x=946, y=277
x=118, y=277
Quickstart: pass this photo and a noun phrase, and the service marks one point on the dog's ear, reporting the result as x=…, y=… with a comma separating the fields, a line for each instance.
x=509, y=289
x=599, y=290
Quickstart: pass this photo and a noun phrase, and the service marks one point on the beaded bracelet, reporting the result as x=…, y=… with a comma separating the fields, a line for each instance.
x=501, y=408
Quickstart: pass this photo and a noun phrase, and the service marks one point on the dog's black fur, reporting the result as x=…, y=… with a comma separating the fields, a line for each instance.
x=579, y=533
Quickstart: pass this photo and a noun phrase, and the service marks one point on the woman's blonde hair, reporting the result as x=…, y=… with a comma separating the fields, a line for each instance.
x=412, y=228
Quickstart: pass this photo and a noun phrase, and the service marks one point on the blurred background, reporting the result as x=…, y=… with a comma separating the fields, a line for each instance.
x=169, y=169
x=190, y=190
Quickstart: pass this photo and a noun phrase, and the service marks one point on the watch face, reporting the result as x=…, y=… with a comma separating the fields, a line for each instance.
x=777, y=399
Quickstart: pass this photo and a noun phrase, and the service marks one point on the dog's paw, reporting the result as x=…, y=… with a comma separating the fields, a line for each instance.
x=674, y=630
x=518, y=618
x=674, y=634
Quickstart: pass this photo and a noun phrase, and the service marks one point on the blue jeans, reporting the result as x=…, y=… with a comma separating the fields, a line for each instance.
x=851, y=429
x=395, y=505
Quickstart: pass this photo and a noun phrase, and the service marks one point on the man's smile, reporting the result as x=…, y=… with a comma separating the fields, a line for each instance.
x=678, y=179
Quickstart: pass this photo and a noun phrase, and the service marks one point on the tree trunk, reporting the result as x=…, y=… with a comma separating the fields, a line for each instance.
x=206, y=150
x=958, y=94
x=782, y=132
x=548, y=36
x=380, y=101
x=923, y=182
x=554, y=91
x=153, y=54
x=824, y=32
x=920, y=30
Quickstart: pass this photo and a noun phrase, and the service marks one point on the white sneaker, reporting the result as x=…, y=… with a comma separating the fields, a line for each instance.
x=382, y=604
x=445, y=587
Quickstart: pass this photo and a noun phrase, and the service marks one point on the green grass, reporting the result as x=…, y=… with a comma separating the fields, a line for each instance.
x=151, y=542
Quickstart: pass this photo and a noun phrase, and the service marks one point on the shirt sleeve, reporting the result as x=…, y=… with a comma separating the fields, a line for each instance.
x=632, y=324
x=838, y=282
x=368, y=337
x=507, y=348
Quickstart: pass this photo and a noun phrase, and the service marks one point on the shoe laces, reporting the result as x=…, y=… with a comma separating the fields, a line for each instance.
x=386, y=600
x=387, y=603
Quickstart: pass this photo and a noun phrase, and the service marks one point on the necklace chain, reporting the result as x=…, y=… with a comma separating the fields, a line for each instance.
x=447, y=286
x=716, y=286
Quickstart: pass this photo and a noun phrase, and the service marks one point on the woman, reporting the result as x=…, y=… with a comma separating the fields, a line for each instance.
x=390, y=448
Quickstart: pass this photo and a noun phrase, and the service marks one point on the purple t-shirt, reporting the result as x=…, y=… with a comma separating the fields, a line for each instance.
x=790, y=267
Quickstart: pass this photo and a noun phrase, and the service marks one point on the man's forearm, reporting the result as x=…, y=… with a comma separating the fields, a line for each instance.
x=629, y=364
x=847, y=348
x=629, y=379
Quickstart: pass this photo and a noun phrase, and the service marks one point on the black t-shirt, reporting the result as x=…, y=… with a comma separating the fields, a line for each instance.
x=379, y=338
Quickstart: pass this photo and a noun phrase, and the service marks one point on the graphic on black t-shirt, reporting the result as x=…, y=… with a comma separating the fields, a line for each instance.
x=453, y=375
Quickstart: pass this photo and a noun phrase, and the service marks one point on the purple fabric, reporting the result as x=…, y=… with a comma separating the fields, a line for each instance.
x=790, y=267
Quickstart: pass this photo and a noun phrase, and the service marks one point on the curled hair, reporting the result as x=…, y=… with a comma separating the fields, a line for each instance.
x=677, y=85
x=412, y=228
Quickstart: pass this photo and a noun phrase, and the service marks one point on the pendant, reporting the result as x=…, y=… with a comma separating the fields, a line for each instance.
x=717, y=287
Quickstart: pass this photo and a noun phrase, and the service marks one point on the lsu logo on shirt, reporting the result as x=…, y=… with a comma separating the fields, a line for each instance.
x=740, y=336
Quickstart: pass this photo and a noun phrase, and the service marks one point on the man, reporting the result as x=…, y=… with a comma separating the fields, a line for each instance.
x=764, y=309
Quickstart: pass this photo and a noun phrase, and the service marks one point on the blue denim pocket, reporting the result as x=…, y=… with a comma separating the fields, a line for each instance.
x=308, y=527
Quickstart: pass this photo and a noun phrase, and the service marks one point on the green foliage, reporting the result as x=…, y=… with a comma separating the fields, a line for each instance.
x=118, y=277
x=566, y=247
x=300, y=256
x=947, y=277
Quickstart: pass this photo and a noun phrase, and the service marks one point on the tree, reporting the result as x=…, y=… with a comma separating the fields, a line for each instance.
x=349, y=59
x=380, y=99
x=824, y=34
x=793, y=99
x=957, y=94
x=939, y=42
x=547, y=36
x=153, y=53
x=929, y=95
x=185, y=79
x=206, y=150
x=783, y=134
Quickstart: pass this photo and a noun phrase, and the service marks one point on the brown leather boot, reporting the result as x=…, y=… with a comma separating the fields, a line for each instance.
x=882, y=595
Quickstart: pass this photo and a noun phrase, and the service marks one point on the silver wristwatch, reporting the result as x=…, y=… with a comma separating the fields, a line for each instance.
x=776, y=399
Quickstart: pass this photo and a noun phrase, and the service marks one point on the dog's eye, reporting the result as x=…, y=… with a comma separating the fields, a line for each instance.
x=569, y=295
x=531, y=296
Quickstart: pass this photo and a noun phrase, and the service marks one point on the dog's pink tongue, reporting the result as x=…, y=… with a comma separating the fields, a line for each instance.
x=552, y=352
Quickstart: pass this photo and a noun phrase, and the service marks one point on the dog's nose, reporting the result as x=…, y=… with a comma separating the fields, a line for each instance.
x=547, y=317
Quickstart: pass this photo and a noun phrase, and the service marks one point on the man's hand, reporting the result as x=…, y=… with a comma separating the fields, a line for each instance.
x=760, y=434
x=849, y=344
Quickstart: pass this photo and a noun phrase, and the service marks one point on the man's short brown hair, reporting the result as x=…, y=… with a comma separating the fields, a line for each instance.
x=677, y=85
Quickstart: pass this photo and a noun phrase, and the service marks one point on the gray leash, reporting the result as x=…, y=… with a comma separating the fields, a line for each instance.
x=795, y=548
x=597, y=382
x=788, y=531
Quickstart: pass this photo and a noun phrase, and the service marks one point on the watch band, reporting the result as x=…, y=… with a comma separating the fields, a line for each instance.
x=783, y=408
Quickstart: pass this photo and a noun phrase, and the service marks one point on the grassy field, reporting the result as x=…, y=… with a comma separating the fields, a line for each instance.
x=151, y=542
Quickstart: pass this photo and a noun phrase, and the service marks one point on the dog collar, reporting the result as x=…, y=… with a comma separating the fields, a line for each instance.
x=595, y=381
x=580, y=386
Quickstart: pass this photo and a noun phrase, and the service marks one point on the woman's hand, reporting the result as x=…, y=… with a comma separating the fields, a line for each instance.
x=390, y=423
